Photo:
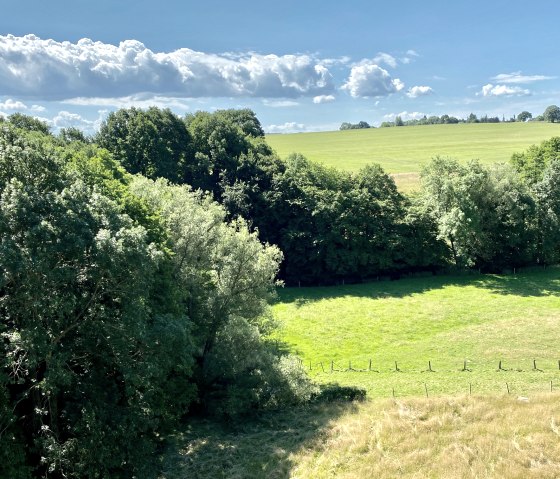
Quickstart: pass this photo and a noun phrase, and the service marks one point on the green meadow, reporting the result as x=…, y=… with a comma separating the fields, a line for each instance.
x=448, y=322
x=407, y=149
x=469, y=426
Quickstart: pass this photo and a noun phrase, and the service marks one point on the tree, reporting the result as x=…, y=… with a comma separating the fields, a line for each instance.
x=398, y=121
x=28, y=123
x=484, y=215
x=153, y=142
x=547, y=198
x=472, y=118
x=524, y=116
x=552, y=114
x=93, y=351
x=532, y=162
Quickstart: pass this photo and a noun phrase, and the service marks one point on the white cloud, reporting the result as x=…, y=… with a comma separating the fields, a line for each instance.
x=370, y=80
x=385, y=58
x=37, y=108
x=280, y=103
x=323, y=99
x=503, y=90
x=417, y=91
x=65, y=119
x=138, y=101
x=518, y=77
x=405, y=115
x=412, y=53
x=30, y=66
x=288, y=127
x=10, y=104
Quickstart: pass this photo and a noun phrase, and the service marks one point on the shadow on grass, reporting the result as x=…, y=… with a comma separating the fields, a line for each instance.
x=261, y=447
x=528, y=282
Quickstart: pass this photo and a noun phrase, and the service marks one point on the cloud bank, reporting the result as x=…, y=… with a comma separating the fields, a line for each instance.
x=32, y=67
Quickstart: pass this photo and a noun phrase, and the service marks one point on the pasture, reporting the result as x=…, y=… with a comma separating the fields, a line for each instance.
x=454, y=322
x=406, y=149
x=468, y=426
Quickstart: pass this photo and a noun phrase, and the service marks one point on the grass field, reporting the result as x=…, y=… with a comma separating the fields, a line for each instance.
x=482, y=319
x=406, y=149
x=491, y=433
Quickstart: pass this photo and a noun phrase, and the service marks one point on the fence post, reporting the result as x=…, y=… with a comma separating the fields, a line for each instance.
x=507, y=386
x=426, y=388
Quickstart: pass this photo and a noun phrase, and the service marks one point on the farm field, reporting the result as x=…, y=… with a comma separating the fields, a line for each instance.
x=480, y=319
x=407, y=149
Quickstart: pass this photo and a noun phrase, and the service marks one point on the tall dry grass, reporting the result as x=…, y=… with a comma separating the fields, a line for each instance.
x=456, y=437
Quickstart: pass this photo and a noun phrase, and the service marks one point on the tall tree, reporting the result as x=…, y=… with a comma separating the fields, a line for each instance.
x=153, y=142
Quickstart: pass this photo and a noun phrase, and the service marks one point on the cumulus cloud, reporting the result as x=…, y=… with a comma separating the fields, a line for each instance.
x=65, y=119
x=503, y=90
x=32, y=67
x=10, y=104
x=518, y=77
x=323, y=99
x=385, y=58
x=288, y=127
x=417, y=91
x=405, y=115
x=370, y=80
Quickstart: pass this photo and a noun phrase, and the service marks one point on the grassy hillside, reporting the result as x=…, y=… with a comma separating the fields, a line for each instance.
x=406, y=149
x=446, y=320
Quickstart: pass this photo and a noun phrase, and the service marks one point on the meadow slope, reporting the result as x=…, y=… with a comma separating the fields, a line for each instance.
x=403, y=151
x=468, y=426
x=445, y=320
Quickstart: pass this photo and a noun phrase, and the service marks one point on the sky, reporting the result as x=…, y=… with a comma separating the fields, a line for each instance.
x=303, y=65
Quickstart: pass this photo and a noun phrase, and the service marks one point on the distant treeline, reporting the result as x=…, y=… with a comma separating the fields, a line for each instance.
x=551, y=114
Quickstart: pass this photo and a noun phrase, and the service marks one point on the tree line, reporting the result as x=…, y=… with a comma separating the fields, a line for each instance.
x=136, y=268
x=551, y=115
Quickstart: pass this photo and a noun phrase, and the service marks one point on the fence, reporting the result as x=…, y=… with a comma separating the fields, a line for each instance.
x=468, y=368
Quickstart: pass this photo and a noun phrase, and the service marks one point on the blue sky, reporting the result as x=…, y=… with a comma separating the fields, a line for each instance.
x=301, y=66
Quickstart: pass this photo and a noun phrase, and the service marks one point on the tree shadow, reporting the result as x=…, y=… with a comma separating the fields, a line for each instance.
x=261, y=447
x=535, y=282
x=527, y=282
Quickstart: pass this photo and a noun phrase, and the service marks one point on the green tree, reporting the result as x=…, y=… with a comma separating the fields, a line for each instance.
x=94, y=352
x=552, y=114
x=532, y=162
x=153, y=142
x=483, y=215
x=524, y=116
x=28, y=123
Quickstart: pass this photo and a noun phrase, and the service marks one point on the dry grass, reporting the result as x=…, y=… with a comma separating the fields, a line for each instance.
x=446, y=437
x=466, y=437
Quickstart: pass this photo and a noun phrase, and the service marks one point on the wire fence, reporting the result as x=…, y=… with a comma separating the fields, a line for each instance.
x=467, y=370
x=332, y=366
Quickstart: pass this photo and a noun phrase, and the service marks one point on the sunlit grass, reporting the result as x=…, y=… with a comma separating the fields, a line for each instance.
x=503, y=436
x=482, y=319
x=407, y=149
